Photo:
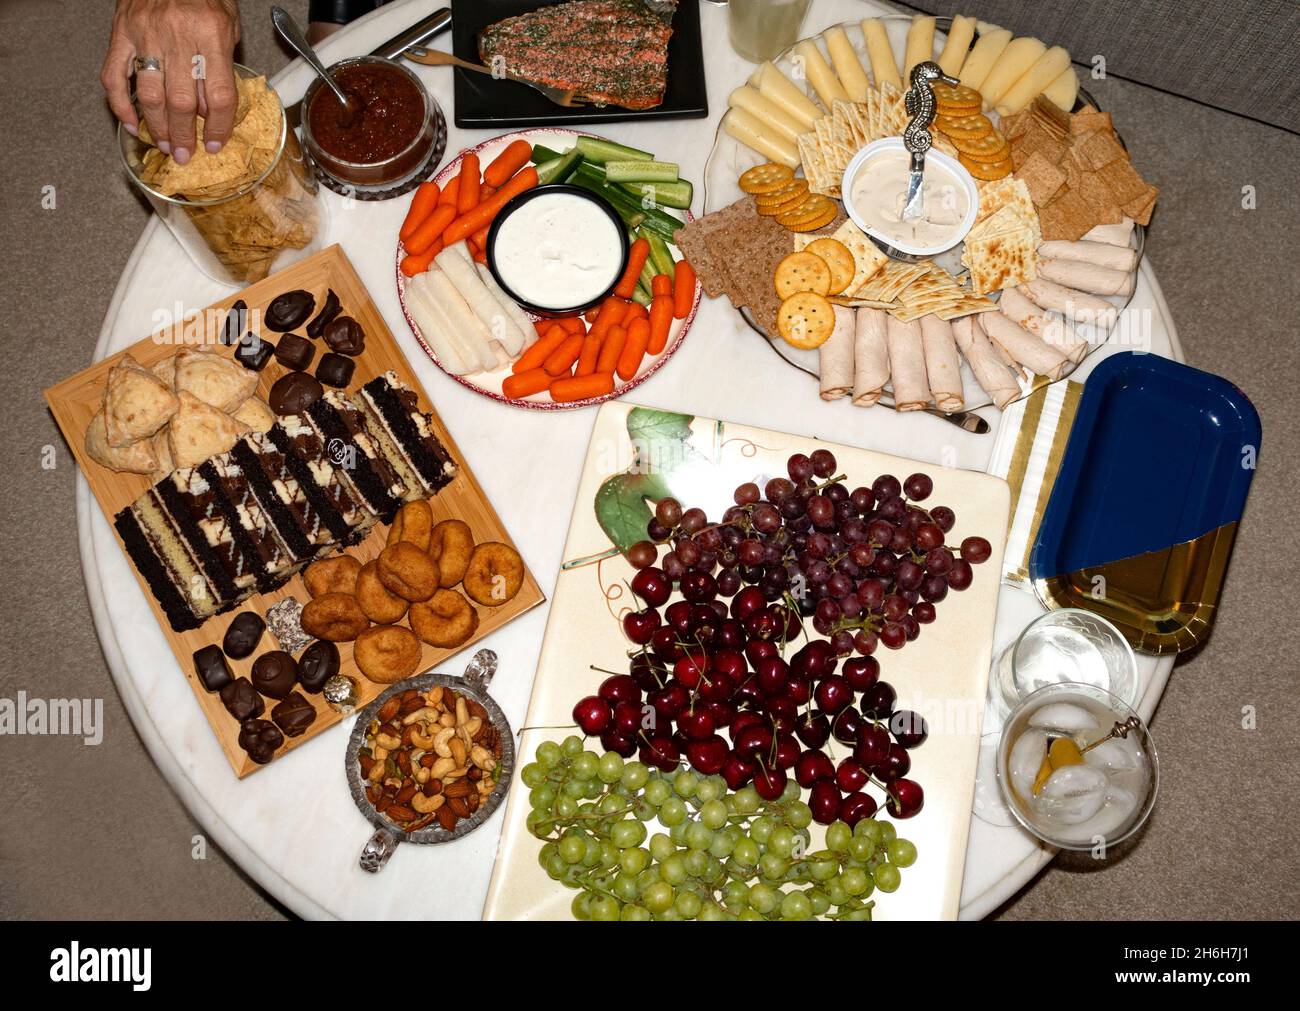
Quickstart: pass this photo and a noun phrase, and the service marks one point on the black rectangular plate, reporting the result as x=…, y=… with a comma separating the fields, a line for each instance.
x=482, y=102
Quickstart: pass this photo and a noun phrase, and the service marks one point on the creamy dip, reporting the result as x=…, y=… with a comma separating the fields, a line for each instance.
x=558, y=251
x=879, y=195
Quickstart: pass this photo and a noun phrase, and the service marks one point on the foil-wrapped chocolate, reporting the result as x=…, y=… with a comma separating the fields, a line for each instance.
x=340, y=692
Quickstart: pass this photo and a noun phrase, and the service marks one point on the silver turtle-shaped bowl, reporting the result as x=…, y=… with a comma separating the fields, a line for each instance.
x=472, y=684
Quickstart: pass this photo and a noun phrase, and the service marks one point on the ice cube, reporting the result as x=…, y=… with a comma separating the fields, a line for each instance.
x=1117, y=756
x=1072, y=794
x=1065, y=717
x=1026, y=758
x=1111, y=820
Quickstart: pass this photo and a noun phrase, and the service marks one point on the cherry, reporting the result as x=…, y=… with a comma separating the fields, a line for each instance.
x=592, y=714
x=872, y=745
x=619, y=688
x=652, y=586
x=730, y=634
x=905, y=798
x=620, y=744
x=722, y=712
x=787, y=751
x=627, y=718
x=861, y=672
x=850, y=775
x=812, y=766
x=765, y=625
x=757, y=650
x=772, y=674
x=708, y=756
x=798, y=690
x=697, y=586
x=664, y=644
x=855, y=807
x=696, y=724
x=731, y=663
x=896, y=764
x=769, y=782
x=833, y=693
x=678, y=615
x=691, y=668
x=738, y=771
x=908, y=728
x=639, y=626
x=814, y=660
x=717, y=687
x=846, y=726
x=878, y=700
x=661, y=752
x=783, y=713
x=813, y=729
x=648, y=673
x=824, y=800
x=753, y=742
x=746, y=602
x=744, y=720
x=748, y=693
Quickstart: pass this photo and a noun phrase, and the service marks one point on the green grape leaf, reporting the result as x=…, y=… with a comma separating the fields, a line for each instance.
x=621, y=508
x=646, y=425
x=659, y=443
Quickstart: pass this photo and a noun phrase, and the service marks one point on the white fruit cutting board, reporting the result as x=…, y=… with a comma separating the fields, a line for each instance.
x=943, y=674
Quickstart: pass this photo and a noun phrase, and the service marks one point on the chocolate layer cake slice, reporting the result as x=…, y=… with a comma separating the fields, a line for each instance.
x=195, y=506
x=161, y=557
x=357, y=459
x=253, y=531
x=293, y=515
x=305, y=454
x=405, y=435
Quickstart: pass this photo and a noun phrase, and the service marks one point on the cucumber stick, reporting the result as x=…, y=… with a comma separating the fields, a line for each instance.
x=543, y=154
x=660, y=255
x=640, y=172
x=558, y=170
x=676, y=194
x=599, y=150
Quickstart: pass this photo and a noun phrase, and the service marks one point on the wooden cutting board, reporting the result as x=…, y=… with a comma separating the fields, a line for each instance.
x=74, y=402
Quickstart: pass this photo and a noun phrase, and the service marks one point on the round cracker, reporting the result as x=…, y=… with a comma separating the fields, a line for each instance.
x=838, y=258
x=792, y=189
x=983, y=148
x=986, y=171
x=803, y=271
x=766, y=177
x=805, y=320
x=947, y=97
x=790, y=205
x=812, y=206
x=964, y=126
x=810, y=221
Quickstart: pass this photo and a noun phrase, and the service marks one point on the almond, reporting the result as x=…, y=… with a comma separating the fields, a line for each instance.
x=411, y=705
x=458, y=805
x=390, y=709
x=447, y=818
x=433, y=788
x=406, y=793
x=460, y=788
x=400, y=813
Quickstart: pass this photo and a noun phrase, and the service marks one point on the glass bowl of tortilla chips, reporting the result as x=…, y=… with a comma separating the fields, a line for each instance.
x=249, y=209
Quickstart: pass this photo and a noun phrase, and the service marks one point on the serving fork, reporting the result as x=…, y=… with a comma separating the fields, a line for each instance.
x=438, y=58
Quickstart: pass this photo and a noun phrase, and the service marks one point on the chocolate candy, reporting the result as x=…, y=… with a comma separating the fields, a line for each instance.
x=294, y=352
x=289, y=311
x=318, y=663
x=294, y=715
x=275, y=673
x=323, y=319
x=335, y=370
x=241, y=700
x=234, y=323
x=211, y=668
x=260, y=739
x=253, y=352
x=284, y=621
x=243, y=635
x=294, y=392
x=345, y=336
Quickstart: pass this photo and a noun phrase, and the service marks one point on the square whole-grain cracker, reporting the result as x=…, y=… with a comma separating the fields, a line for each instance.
x=1041, y=178
x=1087, y=122
x=1067, y=217
x=1122, y=179
x=1099, y=198
x=1098, y=149
x=1140, y=208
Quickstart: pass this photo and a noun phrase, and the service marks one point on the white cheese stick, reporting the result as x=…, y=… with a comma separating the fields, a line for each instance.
x=1025, y=349
x=1082, y=308
x=957, y=45
x=881, y=54
x=434, y=326
x=751, y=131
x=818, y=73
x=1019, y=56
x=1103, y=254
x=1087, y=277
x=907, y=365
x=848, y=68
x=942, y=364
x=1046, y=69
x=990, y=372
x=754, y=101
x=1052, y=330
x=1117, y=235
x=776, y=87
x=1064, y=90
x=471, y=337
x=920, y=45
x=508, y=304
x=870, y=356
x=836, y=357
x=988, y=47
x=490, y=313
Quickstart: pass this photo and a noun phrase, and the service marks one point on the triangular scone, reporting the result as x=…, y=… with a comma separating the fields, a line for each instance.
x=162, y=445
x=214, y=379
x=137, y=458
x=255, y=413
x=136, y=403
x=199, y=431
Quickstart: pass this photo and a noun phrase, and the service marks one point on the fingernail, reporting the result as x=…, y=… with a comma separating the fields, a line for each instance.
x=181, y=156
x=134, y=131
x=165, y=146
x=212, y=146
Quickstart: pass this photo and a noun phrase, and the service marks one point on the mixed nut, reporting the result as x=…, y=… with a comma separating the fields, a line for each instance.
x=429, y=756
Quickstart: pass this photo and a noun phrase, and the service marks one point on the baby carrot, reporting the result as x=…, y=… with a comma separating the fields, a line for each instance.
x=432, y=228
x=542, y=325
x=591, y=345
x=635, y=311
x=661, y=285
x=480, y=257
x=450, y=192
x=612, y=311
x=572, y=324
x=636, y=257
x=541, y=349
x=661, y=321
x=508, y=162
x=413, y=264
x=467, y=199
x=591, y=314
x=479, y=238
x=422, y=204
x=482, y=215
x=525, y=384
x=570, y=388
x=610, y=348
x=562, y=358
x=683, y=289
x=486, y=191
x=629, y=360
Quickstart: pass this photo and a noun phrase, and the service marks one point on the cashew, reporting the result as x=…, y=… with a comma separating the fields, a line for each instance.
x=441, y=767
x=388, y=741
x=434, y=695
x=441, y=741
x=376, y=772
x=447, y=720
x=472, y=726
x=458, y=750
x=427, y=805
x=422, y=741
x=416, y=755
x=379, y=754
x=479, y=755
x=455, y=774
x=422, y=776
x=462, y=712
x=425, y=715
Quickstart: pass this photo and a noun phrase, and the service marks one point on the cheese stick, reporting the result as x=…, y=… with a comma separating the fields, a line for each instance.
x=508, y=304
x=1018, y=57
x=1064, y=90
x=818, y=73
x=467, y=332
x=1051, y=329
x=1117, y=235
x=1025, y=349
x=870, y=356
x=1087, y=277
x=754, y=102
x=1046, y=69
x=988, y=47
x=1103, y=254
x=750, y=131
x=500, y=324
x=881, y=54
x=920, y=45
x=907, y=364
x=1078, y=306
x=942, y=365
x=847, y=65
x=776, y=87
x=836, y=357
x=435, y=327
x=992, y=375
x=954, y=50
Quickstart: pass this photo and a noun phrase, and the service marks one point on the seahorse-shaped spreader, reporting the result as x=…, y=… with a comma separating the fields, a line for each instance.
x=920, y=105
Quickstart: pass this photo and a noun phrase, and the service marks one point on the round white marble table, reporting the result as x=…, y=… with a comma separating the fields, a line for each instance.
x=293, y=827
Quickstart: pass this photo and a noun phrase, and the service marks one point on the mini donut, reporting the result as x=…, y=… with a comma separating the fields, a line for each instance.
x=380, y=604
x=446, y=619
x=412, y=524
x=407, y=571
x=387, y=653
x=451, y=544
x=494, y=575
x=334, y=617
x=332, y=575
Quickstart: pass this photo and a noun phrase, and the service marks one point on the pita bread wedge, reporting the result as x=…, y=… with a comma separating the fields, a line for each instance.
x=136, y=458
x=255, y=413
x=199, y=431
x=214, y=379
x=136, y=403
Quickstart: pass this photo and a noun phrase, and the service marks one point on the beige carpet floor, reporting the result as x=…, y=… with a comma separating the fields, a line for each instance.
x=97, y=833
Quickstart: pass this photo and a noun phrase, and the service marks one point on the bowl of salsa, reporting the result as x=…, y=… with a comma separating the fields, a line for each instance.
x=392, y=140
